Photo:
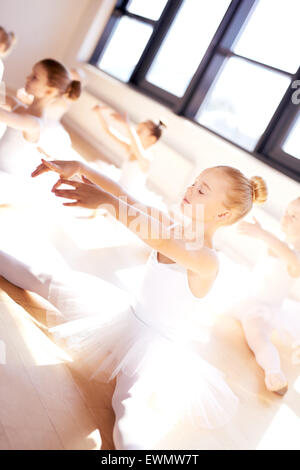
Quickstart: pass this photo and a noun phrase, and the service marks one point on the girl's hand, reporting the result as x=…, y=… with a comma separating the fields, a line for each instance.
x=66, y=169
x=85, y=194
x=100, y=107
x=251, y=229
x=120, y=117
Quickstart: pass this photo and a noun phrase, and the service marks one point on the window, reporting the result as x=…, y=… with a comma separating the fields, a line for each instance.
x=231, y=66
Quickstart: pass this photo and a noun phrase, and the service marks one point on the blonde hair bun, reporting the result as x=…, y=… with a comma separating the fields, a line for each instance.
x=260, y=190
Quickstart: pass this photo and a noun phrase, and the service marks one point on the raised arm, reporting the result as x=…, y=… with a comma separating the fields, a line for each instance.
x=70, y=168
x=98, y=111
x=23, y=122
x=152, y=230
x=280, y=248
x=136, y=147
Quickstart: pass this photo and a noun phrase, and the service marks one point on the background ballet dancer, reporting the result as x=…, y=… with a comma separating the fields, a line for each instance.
x=266, y=307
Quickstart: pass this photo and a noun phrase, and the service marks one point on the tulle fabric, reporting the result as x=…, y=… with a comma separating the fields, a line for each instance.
x=105, y=334
x=267, y=297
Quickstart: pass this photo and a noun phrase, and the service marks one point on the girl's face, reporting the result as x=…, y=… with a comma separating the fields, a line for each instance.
x=145, y=136
x=290, y=222
x=37, y=83
x=205, y=197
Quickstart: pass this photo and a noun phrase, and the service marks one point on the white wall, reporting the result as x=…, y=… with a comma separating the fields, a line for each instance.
x=69, y=30
x=45, y=28
x=182, y=138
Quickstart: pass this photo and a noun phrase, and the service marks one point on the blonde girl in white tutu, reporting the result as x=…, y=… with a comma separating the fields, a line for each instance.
x=145, y=339
x=267, y=307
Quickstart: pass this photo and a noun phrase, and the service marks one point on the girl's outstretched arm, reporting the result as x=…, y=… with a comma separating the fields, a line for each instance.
x=280, y=248
x=68, y=169
x=198, y=259
x=137, y=148
x=98, y=111
x=23, y=122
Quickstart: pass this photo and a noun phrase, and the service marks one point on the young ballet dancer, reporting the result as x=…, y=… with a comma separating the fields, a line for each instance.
x=267, y=308
x=28, y=127
x=7, y=42
x=136, y=142
x=144, y=339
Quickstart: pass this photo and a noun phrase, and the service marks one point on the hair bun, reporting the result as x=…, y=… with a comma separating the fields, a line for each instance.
x=161, y=124
x=73, y=90
x=259, y=188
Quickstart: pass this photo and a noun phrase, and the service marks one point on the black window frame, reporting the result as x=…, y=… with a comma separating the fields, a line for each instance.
x=269, y=147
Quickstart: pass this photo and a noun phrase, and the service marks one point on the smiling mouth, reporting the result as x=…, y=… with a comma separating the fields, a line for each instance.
x=186, y=200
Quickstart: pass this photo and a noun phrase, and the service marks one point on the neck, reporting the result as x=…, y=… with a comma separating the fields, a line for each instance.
x=37, y=108
x=203, y=231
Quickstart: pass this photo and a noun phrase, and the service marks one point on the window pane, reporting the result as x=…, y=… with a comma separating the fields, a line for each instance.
x=148, y=8
x=271, y=35
x=186, y=43
x=241, y=101
x=125, y=47
x=292, y=143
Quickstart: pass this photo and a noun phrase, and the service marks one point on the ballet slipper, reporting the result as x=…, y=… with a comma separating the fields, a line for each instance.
x=277, y=383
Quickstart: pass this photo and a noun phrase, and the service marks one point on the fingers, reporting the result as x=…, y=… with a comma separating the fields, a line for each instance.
x=75, y=184
x=86, y=180
x=39, y=170
x=51, y=165
x=66, y=193
x=57, y=184
x=76, y=203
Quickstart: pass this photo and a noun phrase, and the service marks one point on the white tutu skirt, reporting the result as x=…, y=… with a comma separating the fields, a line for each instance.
x=107, y=337
x=284, y=318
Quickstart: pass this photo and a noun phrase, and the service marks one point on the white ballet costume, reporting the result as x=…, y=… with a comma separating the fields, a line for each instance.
x=19, y=158
x=145, y=340
x=267, y=308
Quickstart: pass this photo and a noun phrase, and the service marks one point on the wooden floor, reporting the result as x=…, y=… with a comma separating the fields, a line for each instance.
x=45, y=403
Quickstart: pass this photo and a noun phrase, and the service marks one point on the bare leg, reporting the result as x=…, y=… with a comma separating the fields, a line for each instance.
x=258, y=335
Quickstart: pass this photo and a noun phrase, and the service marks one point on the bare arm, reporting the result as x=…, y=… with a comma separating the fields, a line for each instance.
x=201, y=260
x=280, y=248
x=67, y=169
x=137, y=148
x=98, y=111
x=23, y=122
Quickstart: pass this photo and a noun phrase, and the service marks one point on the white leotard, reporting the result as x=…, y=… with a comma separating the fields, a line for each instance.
x=267, y=298
x=150, y=334
x=20, y=157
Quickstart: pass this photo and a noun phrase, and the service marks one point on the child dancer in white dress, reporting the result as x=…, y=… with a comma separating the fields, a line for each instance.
x=267, y=308
x=144, y=341
x=29, y=128
x=7, y=41
x=136, y=143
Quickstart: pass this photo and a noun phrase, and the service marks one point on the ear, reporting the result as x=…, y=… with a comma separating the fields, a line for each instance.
x=50, y=91
x=152, y=140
